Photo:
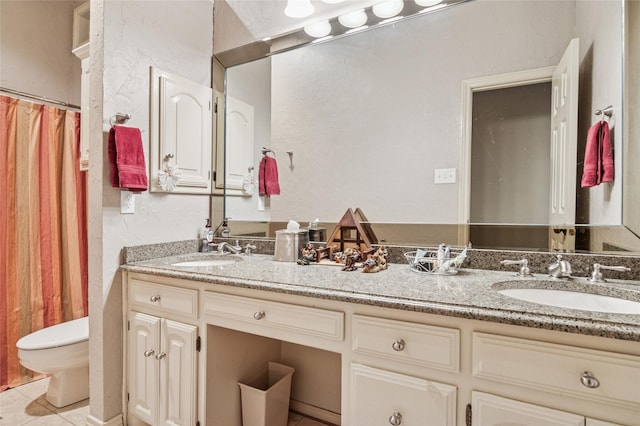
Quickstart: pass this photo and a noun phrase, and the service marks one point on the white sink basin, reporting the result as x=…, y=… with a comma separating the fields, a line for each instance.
x=574, y=300
x=209, y=262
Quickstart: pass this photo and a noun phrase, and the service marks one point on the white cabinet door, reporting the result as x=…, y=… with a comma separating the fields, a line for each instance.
x=162, y=382
x=178, y=373
x=144, y=344
x=238, y=143
x=180, y=132
x=380, y=397
x=491, y=410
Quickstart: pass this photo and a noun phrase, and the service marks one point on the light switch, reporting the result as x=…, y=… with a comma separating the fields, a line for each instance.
x=444, y=176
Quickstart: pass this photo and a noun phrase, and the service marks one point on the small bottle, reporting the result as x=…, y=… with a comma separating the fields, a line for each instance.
x=206, y=237
x=225, y=229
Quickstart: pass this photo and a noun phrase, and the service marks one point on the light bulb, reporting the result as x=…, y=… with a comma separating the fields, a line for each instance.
x=427, y=3
x=387, y=9
x=353, y=19
x=298, y=8
x=318, y=29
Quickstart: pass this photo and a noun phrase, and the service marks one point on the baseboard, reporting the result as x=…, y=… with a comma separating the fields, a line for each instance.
x=315, y=412
x=116, y=421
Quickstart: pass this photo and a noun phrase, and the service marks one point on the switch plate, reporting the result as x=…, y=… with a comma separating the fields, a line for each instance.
x=127, y=202
x=444, y=176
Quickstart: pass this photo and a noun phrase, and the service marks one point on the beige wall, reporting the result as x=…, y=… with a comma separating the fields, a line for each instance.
x=35, y=46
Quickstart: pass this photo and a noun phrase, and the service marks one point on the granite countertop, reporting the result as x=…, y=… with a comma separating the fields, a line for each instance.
x=471, y=294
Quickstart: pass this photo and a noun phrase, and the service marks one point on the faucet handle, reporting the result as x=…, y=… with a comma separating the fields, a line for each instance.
x=596, y=275
x=524, y=270
x=248, y=247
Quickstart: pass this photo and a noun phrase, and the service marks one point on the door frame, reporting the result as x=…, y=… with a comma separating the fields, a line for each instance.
x=469, y=87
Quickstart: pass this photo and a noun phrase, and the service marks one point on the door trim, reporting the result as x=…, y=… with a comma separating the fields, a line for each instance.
x=469, y=87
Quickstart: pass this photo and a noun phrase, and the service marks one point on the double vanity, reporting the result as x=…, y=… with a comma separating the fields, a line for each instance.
x=396, y=347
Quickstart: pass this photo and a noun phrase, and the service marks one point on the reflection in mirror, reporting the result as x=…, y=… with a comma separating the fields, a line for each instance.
x=373, y=117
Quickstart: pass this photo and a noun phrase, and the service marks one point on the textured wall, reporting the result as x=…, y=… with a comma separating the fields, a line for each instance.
x=131, y=36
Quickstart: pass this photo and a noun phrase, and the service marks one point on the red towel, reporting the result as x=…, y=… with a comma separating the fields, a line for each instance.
x=598, y=156
x=126, y=159
x=268, y=176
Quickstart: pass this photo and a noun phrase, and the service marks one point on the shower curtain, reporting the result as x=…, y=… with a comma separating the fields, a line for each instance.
x=43, y=237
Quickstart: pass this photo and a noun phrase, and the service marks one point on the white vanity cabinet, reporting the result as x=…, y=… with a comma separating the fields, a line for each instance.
x=162, y=353
x=492, y=410
x=162, y=370
x=379, y=395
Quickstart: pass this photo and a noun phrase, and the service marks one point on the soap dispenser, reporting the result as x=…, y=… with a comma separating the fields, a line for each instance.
x=206, y=237
x=225, y=232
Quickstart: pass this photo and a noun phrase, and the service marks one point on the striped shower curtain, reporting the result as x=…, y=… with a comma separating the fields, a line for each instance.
x=43, y=238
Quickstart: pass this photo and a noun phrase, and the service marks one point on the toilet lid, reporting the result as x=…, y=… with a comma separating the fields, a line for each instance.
x=66, y=333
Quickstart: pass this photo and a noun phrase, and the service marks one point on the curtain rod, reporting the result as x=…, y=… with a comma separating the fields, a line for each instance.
x=39, y=98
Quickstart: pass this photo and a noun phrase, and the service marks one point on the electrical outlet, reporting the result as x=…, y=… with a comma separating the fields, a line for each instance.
x=127, y=202
x=444, y=176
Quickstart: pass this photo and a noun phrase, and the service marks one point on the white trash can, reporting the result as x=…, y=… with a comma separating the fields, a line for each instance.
x=265, y=402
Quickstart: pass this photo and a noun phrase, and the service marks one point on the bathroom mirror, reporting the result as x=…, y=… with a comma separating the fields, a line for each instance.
x=368, y=120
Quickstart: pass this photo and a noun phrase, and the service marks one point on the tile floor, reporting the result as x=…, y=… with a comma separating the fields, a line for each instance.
x=26, y=405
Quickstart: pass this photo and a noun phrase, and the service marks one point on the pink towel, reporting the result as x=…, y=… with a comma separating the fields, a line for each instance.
x=598, y=156
x=126, y=159
x=268, y=176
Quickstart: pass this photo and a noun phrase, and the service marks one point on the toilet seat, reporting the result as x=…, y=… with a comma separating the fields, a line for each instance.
x=63, y=334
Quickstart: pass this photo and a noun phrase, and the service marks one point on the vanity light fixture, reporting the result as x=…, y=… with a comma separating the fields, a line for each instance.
x=332, y=1
x=389, y=20
x=427, y=3
x=318, y=29
x=388, y=8
x=321, y=39
x=433, y=8
x=353, y=19
x=298, y=8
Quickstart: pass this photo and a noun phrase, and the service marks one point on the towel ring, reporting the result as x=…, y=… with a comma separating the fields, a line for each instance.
x=119, y=118
x=267, y=150
x=608, y=111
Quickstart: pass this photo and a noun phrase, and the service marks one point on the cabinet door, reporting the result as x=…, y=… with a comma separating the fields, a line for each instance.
x=144, y=345
x=180, y=132
x=178, y=383
x=491, y=410
x=380, y=397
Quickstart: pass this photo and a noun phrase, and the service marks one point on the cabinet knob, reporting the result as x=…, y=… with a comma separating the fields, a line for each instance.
x=589, y=380
x=259, y=315
x=398, y=346
x=155, y=298
x=149, y=353
x=161, y=355
x=395, y=419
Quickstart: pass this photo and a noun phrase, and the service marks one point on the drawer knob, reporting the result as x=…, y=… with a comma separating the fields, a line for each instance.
x=161, y=355
x=395, y=419
x=589, y=380
x=155, y=298
x=149, y=353
x=398, y=346
x=259, y=315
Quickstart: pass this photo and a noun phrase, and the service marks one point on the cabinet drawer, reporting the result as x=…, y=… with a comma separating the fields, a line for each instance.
x=418, y=344
x=585, y=373
x=380, y=397
x=273, y=319
x=164, y=298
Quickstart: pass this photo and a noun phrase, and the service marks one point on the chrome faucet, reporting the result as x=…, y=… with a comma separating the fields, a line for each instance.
x=524, y=266
x=560, y=268
x=232, y=249
x=247, y=249
x=596, y=276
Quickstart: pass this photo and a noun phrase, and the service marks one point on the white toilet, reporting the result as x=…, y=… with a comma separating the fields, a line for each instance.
x=61, y=350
